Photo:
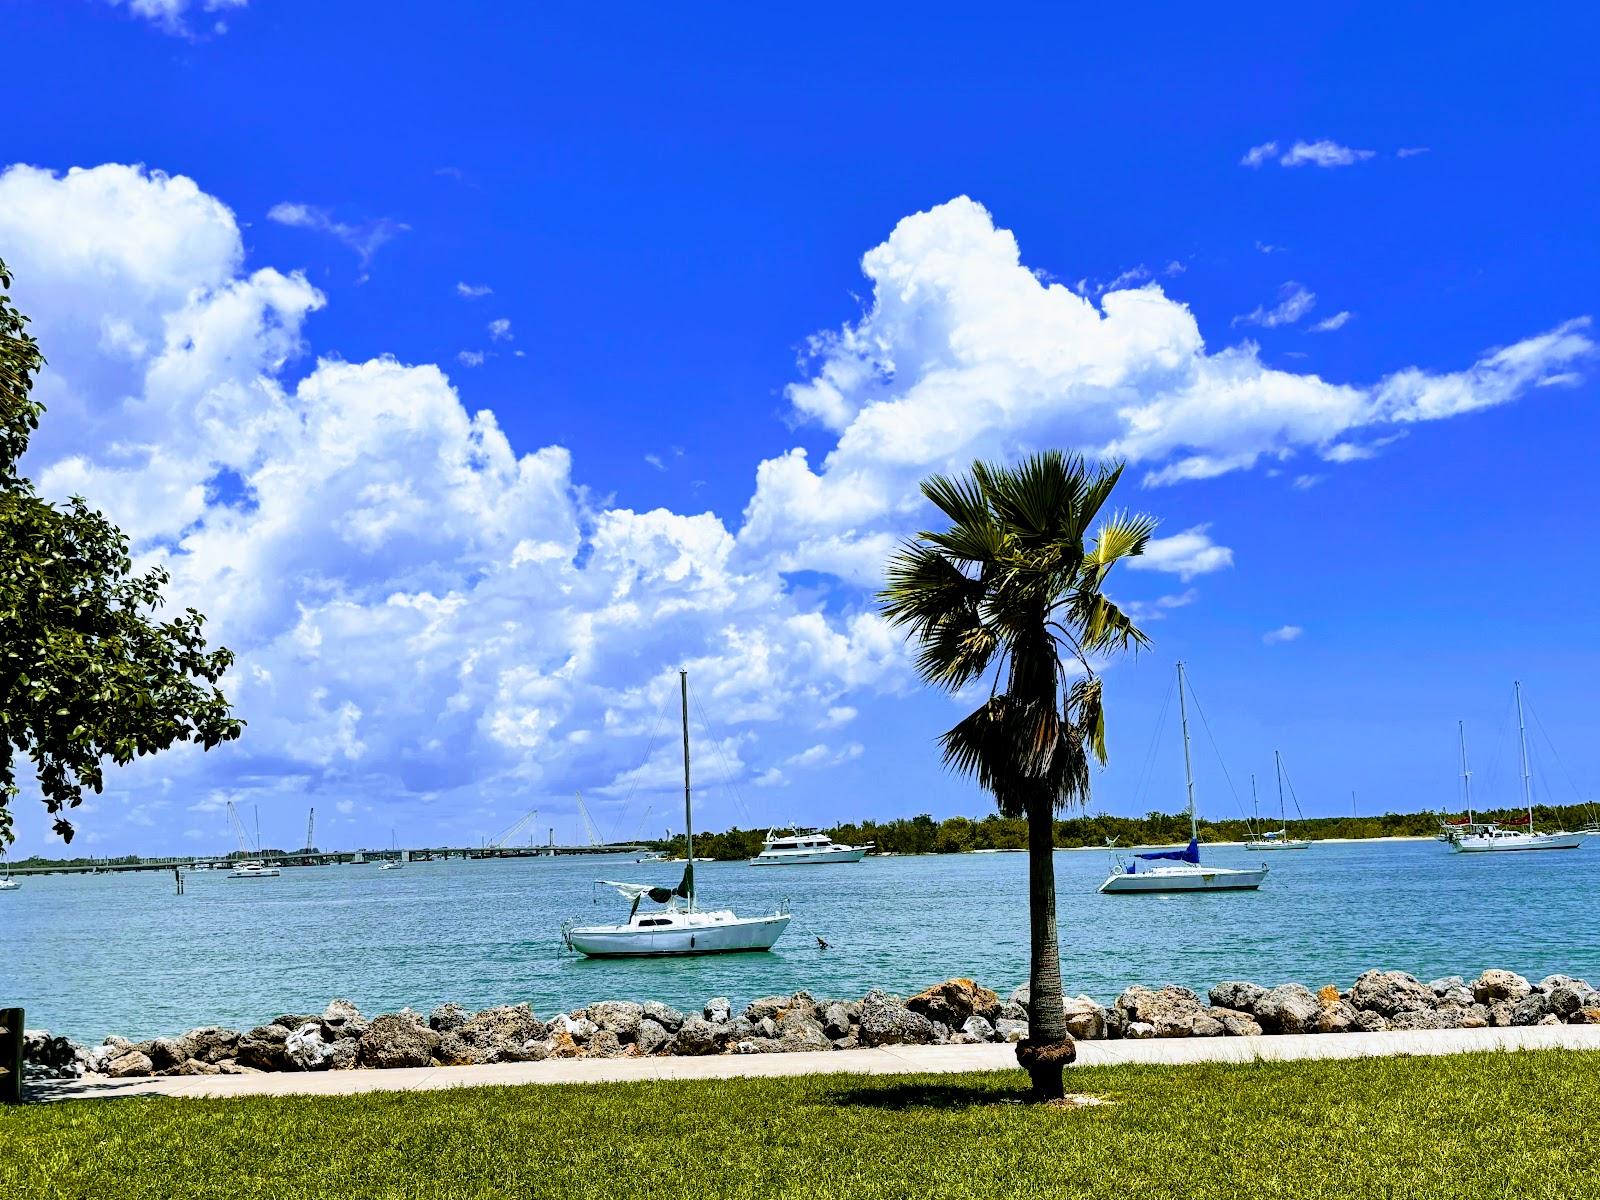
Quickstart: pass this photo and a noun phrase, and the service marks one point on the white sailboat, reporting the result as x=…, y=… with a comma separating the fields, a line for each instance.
x=399, y=859
x=1277, y=839
x=7, y=884
x=1179, y=870
x=805, y=847
x=249, y=868
x=679, y=926
x=1489, y=837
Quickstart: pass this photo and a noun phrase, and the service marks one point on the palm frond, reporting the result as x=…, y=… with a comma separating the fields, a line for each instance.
x=1124, y=535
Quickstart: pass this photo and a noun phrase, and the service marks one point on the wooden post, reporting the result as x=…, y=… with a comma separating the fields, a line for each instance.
x=10, y=1056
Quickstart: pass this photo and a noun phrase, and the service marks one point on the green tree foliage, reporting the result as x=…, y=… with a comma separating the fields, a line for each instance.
x=88, y=670
x=1012, y=591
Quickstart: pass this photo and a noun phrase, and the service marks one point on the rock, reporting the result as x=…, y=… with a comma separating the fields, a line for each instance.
x=764, y=1008
x=448, y=1017
x=755, y=1045
x=396, y=1041
x=1567, y=998
x=496, y=1034
x=1495, y=985
x=766, y=1027
x=1589, y=1015
x=1531, y=1009
x=1370, y=1022
x=1551, y=982
x=1452, y=990
x=845, y=1043
x=1288, y=1008
x=718, y=1009
x=1473, y=1018
x=1020, y=996
x=886, y=1021
x=455, y=1051
x=1390, y=992
x=262, y=1048
x=738, y=1029
x=195, y=1066
x=604, y=1043
x=954, y=1000
x=1012, y=1011
x=663, y=1015
x=978, y=1029
x=1453, y=1016
x=1010, y=1031
x=1237, y=994
x=1338, y=1017
x=342, y=1054
x=698, y=1036
x=129, y=1063
x=836, y=1021
x=1236, y=1023
x=800, y=1031
x=49, y=1057
x=342, y=1012
x=652, y=1035
x=212, y=1043
x=1170, y=1010
x=1500, y=1012
x=1139, y=1030
x=117, y=1043
x=964, y=1039
x=1549, y=1019
x=168, y=1054
x=621, y=1017
x=305, y=1049
x=579, y=1029
x=1086, y=1020
x=1414, y=1018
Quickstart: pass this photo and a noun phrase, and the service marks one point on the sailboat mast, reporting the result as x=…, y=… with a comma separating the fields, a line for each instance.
x=1522, y=742
x=1255, y=801
x=1466, y=773
x=1283, y=813
x=688, y=815
x=1188, y=767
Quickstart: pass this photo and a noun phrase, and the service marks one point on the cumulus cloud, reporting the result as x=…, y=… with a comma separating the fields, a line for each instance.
x=500, y=329
x=365, y=238
x=171, y=16
x=425, y=613
x=1257, y=155
x=1329, y=324
x=1294, y=302
x=1320, y=153
x=1284, y=633
x=473, y=291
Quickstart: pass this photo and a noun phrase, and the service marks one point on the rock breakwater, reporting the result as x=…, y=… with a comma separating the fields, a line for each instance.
x=955, y=1012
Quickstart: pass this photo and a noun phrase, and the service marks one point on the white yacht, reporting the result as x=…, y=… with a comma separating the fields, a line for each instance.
x=253, y=869
x=1277, y=839
x=679, y=926
x=1483, y=837
x=1179, y=870
x=8, y=884
x=805, y=847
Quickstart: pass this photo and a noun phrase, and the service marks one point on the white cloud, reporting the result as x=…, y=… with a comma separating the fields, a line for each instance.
x=500, y=329
x=1304, y=483
x=425, y=614
x=1329, y=324
x=1268, y=247
x=473, y=291
x=655, y=461
x=1145, y=611
x=1257, y=155
x=1294, y=302
x=1185, y=554
x=1284, y=633
x=1323, y=153
x=171, y=15
x=365, y=238
x=470, y=358
x=1410, y=151
x=822, y=755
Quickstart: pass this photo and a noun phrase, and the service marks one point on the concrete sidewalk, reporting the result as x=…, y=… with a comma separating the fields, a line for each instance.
x=889, y=1060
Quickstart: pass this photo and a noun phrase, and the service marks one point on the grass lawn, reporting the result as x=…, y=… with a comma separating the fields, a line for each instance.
x=1523, y=1125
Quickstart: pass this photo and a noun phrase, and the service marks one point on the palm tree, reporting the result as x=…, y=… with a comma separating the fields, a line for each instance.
x=1014, y=586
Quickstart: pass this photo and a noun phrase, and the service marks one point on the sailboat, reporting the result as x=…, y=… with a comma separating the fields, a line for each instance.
x=1277, y=839
x=679, y=926
x=1180, y=870
x=399, y=859
x=250, y=867
x=1519, y=834
x=7, y=884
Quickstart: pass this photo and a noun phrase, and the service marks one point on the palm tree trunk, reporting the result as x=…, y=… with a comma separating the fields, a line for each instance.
x=1048, y=1047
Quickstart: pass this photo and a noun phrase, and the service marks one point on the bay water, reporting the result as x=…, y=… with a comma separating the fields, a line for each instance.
x=92, y=955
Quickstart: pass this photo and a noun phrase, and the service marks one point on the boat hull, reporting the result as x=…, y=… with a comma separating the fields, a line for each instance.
x=810, y=858
x=726, y=936
x=1277, y=845
x=1171, y=879
x=1518, y=842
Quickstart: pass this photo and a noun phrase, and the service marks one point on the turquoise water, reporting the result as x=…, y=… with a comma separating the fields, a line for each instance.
x=91, y=955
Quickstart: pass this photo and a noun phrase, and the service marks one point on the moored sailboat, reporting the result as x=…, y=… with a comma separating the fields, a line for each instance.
x=1179, y=870
x=679, y=926
x=1517, y=833
x=1277, y=839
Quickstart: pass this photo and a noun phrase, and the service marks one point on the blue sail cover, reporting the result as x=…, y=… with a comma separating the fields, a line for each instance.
x=1189, y=854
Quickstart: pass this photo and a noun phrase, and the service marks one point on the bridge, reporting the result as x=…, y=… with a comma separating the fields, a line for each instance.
x=319, y=858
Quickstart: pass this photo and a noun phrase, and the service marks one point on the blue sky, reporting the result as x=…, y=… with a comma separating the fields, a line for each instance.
x=667, y=254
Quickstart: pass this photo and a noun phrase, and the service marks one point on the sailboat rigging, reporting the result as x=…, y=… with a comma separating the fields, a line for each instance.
x=1479, y=837
x=1277, y=839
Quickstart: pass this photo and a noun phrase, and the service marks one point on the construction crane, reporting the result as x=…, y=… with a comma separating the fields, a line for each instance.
x=311, y=826
x=517, y=827
x=589, y=831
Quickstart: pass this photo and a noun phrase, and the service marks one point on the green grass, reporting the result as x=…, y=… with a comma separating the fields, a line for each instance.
x=1461, y=1127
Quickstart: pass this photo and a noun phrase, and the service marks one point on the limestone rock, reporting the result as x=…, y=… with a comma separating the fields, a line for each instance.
x=168, y=1054
x=1170, y=1010
x=1531, y=1009
x=448, y=1017
x=718, y=1009
x=262, y=1048
x=1010, y=1031
x=496, y=1034
x=195, y=1066
x=1494, y=985
x=886, y=1021
x=1021, y=996
x=1452, y=990
x=1236, y=1023
x=342, y=1054
x=1500, y=1013
x=305, y=1050
x=212, y=1043
x=698, y=1036
x=1086, y=1020
x=836, y=1021
x=1589, y=1015
x=1012, y=1011
x=1568, y=997
x=651, y=1035
x=954, y=1000
x=1549, y=1019
x=1414, y=1018
x=1139, y=1030
x=755, y=1045
x=1390, y=992
x=1288, y=1008
x=1368, y=1021
x=799, y=1031
x=663, y=1015
x=1237, y=994
x=1337, y=1017
x=1551, y=982
x=621, y=1017
x=604, y=1043
x=579, y=1029
x=129, y=1063
x=977, y=1029
x=398, y=1040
